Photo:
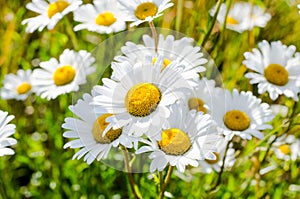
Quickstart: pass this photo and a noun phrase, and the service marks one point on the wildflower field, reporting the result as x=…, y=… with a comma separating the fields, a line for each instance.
x=149, y=99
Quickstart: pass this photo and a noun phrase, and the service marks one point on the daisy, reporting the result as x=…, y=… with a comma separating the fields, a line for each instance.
x=63, y=76
x=102, y=17
x=139, y=11
x=49, y=13
x=87, y=129
x=251, y=16
x=275, y=69
x=17, y=86
x=185, y=139
x=141, y=98
x=286, y=147
x=6, y=130
x=242, y=114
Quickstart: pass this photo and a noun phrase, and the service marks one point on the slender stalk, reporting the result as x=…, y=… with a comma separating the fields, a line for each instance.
x=166, y=182
x=2, y=190
x=72, y=34
x=225, y=20
x=179, y=15
x=154, y=34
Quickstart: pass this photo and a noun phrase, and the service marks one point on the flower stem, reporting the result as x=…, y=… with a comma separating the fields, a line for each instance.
x=71, y=33
x=179, y=15
x=166, y=182
x=154, y=34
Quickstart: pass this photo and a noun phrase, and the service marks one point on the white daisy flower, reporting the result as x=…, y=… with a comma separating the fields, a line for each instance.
x=242, y=114
x=63, y=76
x=286, y=147
x=87, y=129
x=181, y=51
x=275, y=69
x=139, y=11
x=49, y=13
x=103, y=17
x=140, y=99
x=242, y=16
x=185, y=139
x=6, y=130
x=17, y=86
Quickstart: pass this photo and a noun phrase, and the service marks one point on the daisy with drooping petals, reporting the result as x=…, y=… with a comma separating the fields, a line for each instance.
x=275, y=69
x=286, y=147
x=141, y=98
x=251, y=16
x=17, y=86
x=6, y=130
x=185, y=139
x=88, y=131
x=242, y=114
x=103, y=17
x=50, y=13
x=139, y=11
x=63, y=76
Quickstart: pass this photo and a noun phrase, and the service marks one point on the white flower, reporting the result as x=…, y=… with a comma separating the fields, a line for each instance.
x=17, y=86
x=49, y=13
x=185, y=139
x=140, y=99
x=275, y=69
x=286, y=147
x=103, y=17
x=139, y=11
x=6, y=130
x=242, y=114
x=87, y=129
x=181, y=51
x=63, y=76
x=242, y=16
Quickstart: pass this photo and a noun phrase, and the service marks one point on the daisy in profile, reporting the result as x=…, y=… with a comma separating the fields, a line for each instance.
x=6, y=130
x=287, y=147
x=183, y=140
x=242, y=114
x=141, y=98
x=103, y=17
x=17, y=86
x=87, y=128
x=139, y=11
x=182, y=51
x=250, y=17
x=49, y=13
x=62, y=76
x=275, y=69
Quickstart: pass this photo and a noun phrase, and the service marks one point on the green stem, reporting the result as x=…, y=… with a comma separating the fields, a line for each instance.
x=225, y=21
x=2, y=190
x=179, y=15
x=72, y=34
x=154, y=34
x=166, y=182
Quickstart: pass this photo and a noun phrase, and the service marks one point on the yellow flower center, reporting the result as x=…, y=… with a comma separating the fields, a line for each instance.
x=57, y=7
x=144, y=10
x=236, y=120
x=276, y=74
x=165, y=63
x=231, y=21
x=105, y=19
x=285, y=149
x=64, y=75
x=214, y=161
x=197, y=104
x=23, y=88
x=98, y=128
x=174, y=142
x=142, y=99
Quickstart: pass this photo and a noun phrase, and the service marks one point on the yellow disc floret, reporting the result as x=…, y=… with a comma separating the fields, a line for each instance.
x=23, y=88
x=276, y=74
x=144, y=10
x=64, y=75
x=57, y=7
x=197, y=104
x=214, y=161
x=174, y=142
x=142, y=99
x=285, y=149
x=99, y=126
x=236, y=120
x=231, y=21
x=105, y=19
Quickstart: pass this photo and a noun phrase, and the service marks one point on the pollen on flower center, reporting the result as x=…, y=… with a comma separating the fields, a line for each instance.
x=165, y=63
x=146, y=9
x=142, y=99
x=231, y=21
x=99, y=126
x=276, y=74
x=174, y=142
x=236, y=120
x=23, y=88
x=57, y=7
x=64, y=75
x=105, y=19
x=285, y=149
x=197, y=104
x=214, y=161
